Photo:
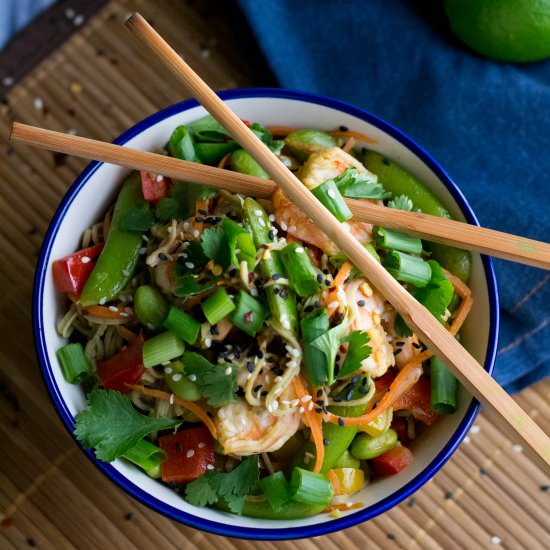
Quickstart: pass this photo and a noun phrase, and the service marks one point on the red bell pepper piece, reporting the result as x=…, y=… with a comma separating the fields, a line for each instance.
x=154, y=187
x=392, y=461
x=125, y=367
x=71, y=272
x=189, y=454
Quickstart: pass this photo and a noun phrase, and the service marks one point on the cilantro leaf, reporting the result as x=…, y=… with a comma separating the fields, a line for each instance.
x=437, y=294
x=193, y=255
x=358, y=350
x=137, y=218
x=112, y=426
x=232, y=487
x=402, y=202
x=328, y=344
x=360, y=185
x=401, y=328
x=218, y=383
x=191, y=285
x=212, y=242
x=180, y=204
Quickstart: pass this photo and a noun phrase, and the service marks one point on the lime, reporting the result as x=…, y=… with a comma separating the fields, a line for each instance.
x=507, y=30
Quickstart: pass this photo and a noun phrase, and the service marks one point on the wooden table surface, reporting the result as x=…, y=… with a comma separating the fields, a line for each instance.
x=98, y=83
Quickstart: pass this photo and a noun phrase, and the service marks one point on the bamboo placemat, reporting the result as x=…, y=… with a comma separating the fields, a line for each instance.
x=98, y=84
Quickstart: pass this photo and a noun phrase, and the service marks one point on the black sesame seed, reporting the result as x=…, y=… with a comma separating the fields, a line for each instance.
x=257, y=388
x=209, y=414
x=163, y=256
x=338, y=399
x=319, y=402
x=203, y=212
x=250, y=366
x=337, y=358
x=319, y=392
x=398, y=351
x=399, y=344
x=327, y=282
x=361, y=303
x=199, y=219
x=260, y=354
x=319, y=278
x=178, y=447
x=355, y=379
x=343, y=128
x=363, y=390
x=326, y=442
x=326, y=271
x=308, y=309
x=283, y=293
x=415, y=345
x=364, y=381
x=264, y=393
x=318, y=410
x=275, y=276
x=271, y=234
x=340, y=422
x=214, y=330
x=276, y=291
x=349, y=395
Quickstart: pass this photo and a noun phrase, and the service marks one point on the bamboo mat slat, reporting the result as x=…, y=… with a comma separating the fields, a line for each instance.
x=490, y=494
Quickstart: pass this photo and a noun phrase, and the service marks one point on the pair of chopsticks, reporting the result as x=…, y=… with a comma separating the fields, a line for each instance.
x=470, y=373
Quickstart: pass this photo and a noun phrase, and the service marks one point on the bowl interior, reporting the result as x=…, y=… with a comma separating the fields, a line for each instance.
x=91, y=195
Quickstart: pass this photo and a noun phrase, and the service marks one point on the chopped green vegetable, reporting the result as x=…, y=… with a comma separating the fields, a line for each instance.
x=407, y=268
x=390, y=239
x=358, y=351
x=183, y=325
x=74, y=364
x=147, y=456
x=360, y=185
x=299, y=269
x=138, y=218
x=437, y=294
x=331, y=198
x=112, y=426
x=217, y=306
x=313, y=326
x=150, y=306
x=179, y=383
x=444, y=388
x=276, y=489
x=182, y=145
x=217, y=383
x=212, y=243
x=191, y=285
x=310, y=487
x=250, y=314
x=231, y=487
x=161, y=348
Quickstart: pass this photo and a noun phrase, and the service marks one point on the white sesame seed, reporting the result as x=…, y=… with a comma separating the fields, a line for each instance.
x=193, y=377
x=299, y=249
x=517, y=448
x=254, y=292
x=495, y=539
x=333, y=304
x=78, y=20
x=38, y=103
x=190, y=453
x=301, y=410
x=164, y=363
x=124, y=314
x=208, y=342
x=160, y=178
x=258, y=212
x=196, y=233
x=102, y=300
x=85, y=260
x=186, y=226
x=69, y=13
x=294, y=402
x=177, y=377
x=284, y=226
x=261, y=221
x=310, y=406
x=168, y=370
x=475, y=429
x=306, y=398
x=278, y=379
x=201, y=445
x=271, y=217
x=228, y=371
x=143, y=250
x=171, y=399
x=189, y=265
x=210, y=467
x=113, y=308
x=331, y=193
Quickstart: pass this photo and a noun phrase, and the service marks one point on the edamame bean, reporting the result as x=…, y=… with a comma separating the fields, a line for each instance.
x=365, y=447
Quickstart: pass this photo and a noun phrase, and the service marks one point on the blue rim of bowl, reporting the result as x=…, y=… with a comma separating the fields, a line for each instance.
x=214, y=526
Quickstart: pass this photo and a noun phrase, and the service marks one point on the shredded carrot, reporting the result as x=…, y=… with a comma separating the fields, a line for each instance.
x=125, y=333
x=343, y=507
x=165, y=396
x=279, y=131
x=224, y=160
x=466, y=304
x=104, y=312
x=332, y=300
x=348, y=145
x=314, y=421
x=408, y=376
x=333, y=478
x=351, y=133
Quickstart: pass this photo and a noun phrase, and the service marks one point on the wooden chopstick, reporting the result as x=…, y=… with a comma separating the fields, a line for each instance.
x=431, y=228
x=470, y=373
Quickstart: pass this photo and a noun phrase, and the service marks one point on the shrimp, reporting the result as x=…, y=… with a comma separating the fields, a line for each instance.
x=321, y=166
x=244, y=430
x=365, y=310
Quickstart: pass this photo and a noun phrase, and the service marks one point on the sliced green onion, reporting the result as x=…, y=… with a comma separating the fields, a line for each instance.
x=249, y=314
x=179, y=383
x=329, y=195
x=162, y=348
x=217, y=306
x=240, y=243
x=299, y=270
x=395, y=240
x=75, y=366
x=372, y=251
x=150, y=306
x=315, y=361
x=276, y=489
x=444, y=388
x=310, y=487
x=147, y=456
x=408, y=269
x=182, y=325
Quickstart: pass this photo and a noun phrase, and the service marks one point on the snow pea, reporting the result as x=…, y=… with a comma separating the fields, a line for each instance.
x=302, y=143
x=118, y=259
x=399, y=181
x=243, y=162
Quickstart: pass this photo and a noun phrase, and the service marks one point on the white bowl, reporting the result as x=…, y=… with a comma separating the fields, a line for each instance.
x=96, y=188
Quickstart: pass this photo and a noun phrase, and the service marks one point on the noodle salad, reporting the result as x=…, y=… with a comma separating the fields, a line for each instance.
x=226, y=345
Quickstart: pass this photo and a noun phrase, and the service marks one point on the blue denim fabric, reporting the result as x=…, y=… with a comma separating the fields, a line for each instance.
x=15, y=14
x=487, y=123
